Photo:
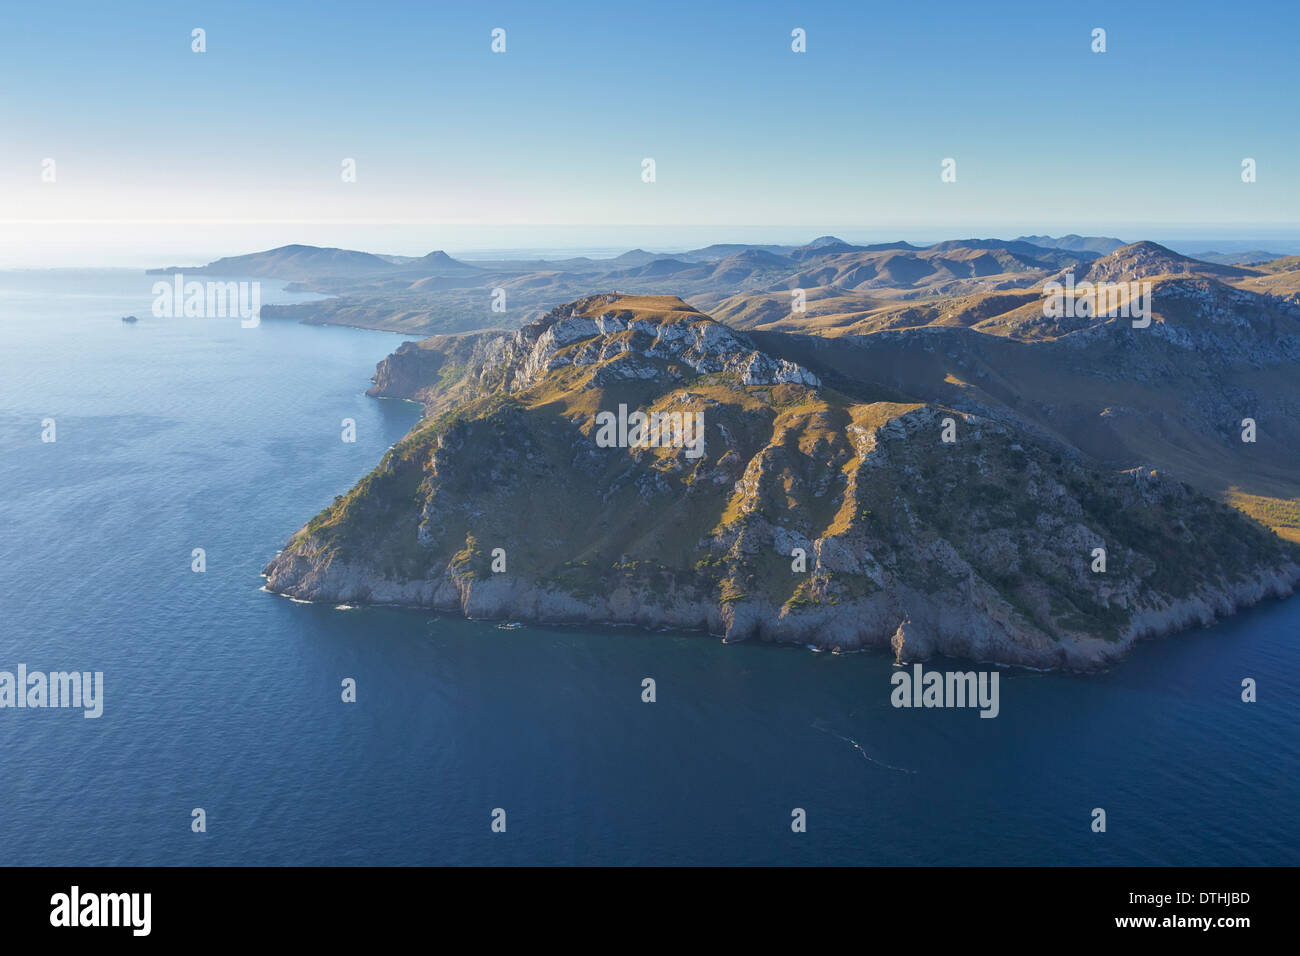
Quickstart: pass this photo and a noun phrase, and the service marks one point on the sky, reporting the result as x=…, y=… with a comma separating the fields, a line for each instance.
x=160, y=151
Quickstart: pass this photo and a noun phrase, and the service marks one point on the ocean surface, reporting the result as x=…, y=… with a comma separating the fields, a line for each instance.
x=176, y=434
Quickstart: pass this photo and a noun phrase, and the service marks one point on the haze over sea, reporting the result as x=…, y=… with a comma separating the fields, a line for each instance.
x=175, y=434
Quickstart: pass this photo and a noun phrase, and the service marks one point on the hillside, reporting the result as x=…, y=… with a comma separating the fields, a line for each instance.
x=1146, y=260
x=979, y=548
x=1172, y=395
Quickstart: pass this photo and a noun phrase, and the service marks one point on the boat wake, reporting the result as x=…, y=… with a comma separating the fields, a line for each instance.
x=865, y=756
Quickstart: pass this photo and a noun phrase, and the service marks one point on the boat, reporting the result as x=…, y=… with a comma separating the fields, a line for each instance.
x=509, y=626
x=129, y=318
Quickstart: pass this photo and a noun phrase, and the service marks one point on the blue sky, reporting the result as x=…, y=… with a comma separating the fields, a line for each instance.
x=1047, y=135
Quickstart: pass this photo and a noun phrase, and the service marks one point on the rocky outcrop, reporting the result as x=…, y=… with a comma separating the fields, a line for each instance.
x=628, y=343
x=406, y=372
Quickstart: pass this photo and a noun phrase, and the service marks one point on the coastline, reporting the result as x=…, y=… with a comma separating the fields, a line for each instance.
x=930, y=626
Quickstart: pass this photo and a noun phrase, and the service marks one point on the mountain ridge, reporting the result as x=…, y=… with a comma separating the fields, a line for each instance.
x=977, y=548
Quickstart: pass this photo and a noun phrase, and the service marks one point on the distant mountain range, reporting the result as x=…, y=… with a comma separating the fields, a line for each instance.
x=1098, y=244
x=299, y=262
x=743, y=284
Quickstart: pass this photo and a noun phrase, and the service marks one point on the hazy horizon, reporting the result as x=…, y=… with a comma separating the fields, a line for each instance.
x=244, y=146
x=565, y=241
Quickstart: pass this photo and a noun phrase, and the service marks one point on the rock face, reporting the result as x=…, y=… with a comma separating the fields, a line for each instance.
x=407, y=371
x=630, y=337
x=811, y=517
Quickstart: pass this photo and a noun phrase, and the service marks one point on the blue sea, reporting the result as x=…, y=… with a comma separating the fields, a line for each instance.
x=176, y=434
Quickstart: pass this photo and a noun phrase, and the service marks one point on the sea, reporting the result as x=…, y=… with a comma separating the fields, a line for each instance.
x=177, y=434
